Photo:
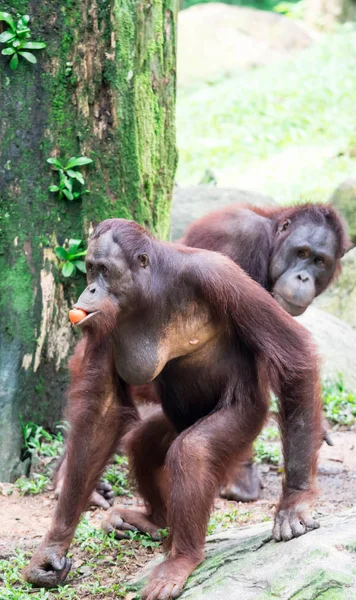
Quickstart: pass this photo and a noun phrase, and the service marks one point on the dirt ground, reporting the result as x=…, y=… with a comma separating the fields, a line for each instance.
x=24, y=520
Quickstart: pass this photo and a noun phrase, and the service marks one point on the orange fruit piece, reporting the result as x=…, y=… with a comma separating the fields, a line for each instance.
x=76, y=315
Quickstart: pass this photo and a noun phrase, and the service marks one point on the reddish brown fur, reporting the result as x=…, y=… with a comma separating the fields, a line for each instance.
x=252, y=249
x=215, y=401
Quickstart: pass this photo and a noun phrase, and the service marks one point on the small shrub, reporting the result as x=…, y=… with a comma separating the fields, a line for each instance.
x=17, y=40
x=71, y=181
x=70, y=260
x=117, y=475
x=33, y=485
x=268, y=453
x=39, y=441
x=339, y=402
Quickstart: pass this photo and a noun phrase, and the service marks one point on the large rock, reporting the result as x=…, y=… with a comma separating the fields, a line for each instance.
x=246, y=564
x=340, y=298
x=192, y=202
x=336, y=342
x=215, y=39
x=344, y=199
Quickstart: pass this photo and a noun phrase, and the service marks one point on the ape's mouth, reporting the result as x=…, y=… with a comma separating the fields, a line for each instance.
x=295, y=310
x=80, y=317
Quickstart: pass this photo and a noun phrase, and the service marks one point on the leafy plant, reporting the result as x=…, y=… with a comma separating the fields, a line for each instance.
x=339, y=402
x=117, y=475
x=17, y=40
x=33, y=485
x=71, y=258
x=70, y=180
x=268, y=453
x=39, y=441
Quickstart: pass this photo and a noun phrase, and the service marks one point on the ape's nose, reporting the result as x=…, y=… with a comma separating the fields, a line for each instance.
x=303, y=277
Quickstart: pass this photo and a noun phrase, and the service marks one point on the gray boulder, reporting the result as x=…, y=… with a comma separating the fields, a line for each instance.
x=192, y=202
x=216, y=39
x=344, y=200
x=336, y=342
x=340, y=298
x=246, y=564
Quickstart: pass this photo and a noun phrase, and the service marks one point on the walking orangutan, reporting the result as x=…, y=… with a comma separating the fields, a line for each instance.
x=216, y=343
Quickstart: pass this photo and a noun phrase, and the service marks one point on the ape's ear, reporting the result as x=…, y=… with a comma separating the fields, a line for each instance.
x=284, y=225
x=143, y=258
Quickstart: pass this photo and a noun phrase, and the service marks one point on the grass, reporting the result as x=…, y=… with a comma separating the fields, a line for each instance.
x=260, y=4
x=99, y=575
x=44, y=448
x=339, y=403
x=284, y=129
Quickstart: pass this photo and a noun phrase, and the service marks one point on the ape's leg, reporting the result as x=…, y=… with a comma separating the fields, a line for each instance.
x=197, y=463
x=102, y=495
x=94, y=416
x=302, y=433
x=243, y=482
x=147, y=445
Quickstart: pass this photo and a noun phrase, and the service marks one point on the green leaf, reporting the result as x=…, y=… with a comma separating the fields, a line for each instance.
x=33, y=45
x=75, y=255
x=74, y=244
x=79, y=177
x=29, y=56
x=53, y=188
x=23, y=32
x=14, y=62
x=68, y=194
x=78, y=162
x=6, y=36
x=68, y=269
x=76, y=175
x=24, y=19
x=55, y=162
x=68, y=183
x=8, y=51
x=80, y=264
x=4, y=16
x=61, y=253
x=16, y=43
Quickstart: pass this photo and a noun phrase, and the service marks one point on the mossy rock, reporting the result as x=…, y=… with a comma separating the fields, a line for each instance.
x=344, y=200
x=246, y=564
x=340, y=298
x=195, y=201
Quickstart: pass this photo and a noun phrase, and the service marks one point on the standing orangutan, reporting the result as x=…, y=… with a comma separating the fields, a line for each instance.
x=294, y=253
x=216, y=343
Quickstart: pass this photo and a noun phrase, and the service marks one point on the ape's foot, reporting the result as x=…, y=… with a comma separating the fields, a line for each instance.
x=168, y=579
x=121, y=520
x=47, y=568
x=102, y=496
x=244, y=486
x=291, y=523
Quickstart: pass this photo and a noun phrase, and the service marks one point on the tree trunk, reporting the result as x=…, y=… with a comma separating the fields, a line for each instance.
x=104, y=87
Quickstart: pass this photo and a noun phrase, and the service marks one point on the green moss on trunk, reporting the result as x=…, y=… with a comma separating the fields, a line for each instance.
x=117, y=106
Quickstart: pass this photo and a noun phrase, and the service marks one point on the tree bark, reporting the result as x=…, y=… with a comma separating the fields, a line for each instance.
x=115, y=103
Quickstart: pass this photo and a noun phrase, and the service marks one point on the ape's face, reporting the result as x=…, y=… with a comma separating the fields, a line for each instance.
x=112, y=282
x=302, y=266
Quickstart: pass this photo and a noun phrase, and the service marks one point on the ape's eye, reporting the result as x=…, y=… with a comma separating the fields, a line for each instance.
x=303, y=253
x=90, y=268
x=319, y=261
x=103, y=270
